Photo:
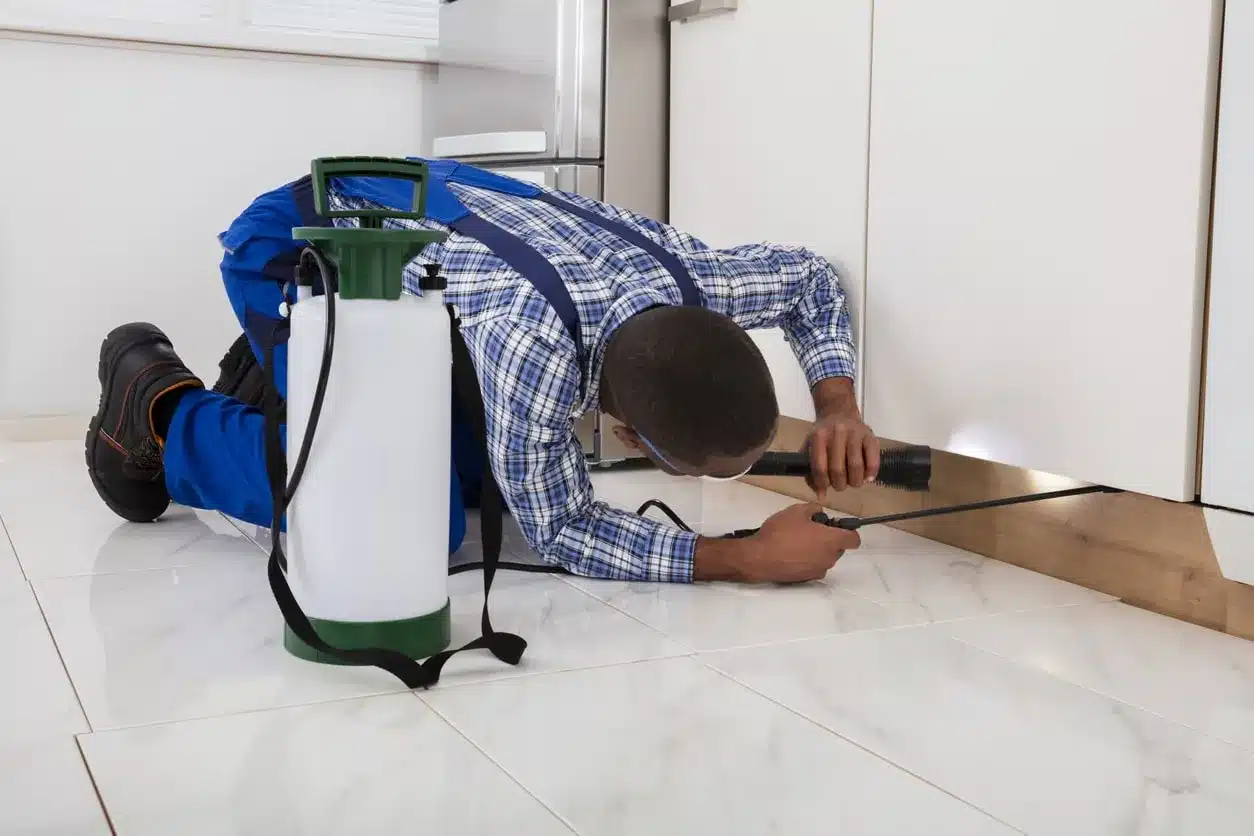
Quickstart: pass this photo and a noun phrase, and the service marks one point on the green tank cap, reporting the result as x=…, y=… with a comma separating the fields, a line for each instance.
x=370, y=259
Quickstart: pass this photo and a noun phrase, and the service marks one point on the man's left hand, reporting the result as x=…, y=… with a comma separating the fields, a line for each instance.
x=844, y=453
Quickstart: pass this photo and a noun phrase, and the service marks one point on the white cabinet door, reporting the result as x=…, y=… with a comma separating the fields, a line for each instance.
x=768, y=141
x=1038, y=215
x=1228, y=436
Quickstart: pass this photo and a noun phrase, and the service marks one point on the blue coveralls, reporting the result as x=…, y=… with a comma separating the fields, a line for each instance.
x=215, y=448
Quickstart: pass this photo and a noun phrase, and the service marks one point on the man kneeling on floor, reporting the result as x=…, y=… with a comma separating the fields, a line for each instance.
x=567, y=305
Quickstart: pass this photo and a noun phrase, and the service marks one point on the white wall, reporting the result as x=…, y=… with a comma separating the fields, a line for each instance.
x=122, y=163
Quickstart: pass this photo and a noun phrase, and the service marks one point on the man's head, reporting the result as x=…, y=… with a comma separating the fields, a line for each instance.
x=693, y=389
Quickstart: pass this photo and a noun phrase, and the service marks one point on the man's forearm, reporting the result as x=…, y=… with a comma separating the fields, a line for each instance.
x=835, y=398
x=722, y=560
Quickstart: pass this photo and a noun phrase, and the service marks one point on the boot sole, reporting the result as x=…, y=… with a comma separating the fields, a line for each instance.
x=117, y=342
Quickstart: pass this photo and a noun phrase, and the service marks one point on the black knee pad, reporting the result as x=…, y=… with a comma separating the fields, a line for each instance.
x=241, y=375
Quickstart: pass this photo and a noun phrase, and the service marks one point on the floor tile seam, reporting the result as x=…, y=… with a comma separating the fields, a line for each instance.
x=238, y=525
x=877, y=755
x=570, y=583
x=208, y=718
x=1069, y=681
x=65, y=668
x=541, y=675
x=400, y=689
x=91, y=776
x=4, y=530
x=862, y=596
x=495, y=763
x=138, y=570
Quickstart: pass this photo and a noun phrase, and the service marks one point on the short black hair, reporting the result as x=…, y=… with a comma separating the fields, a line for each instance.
x=692, y=382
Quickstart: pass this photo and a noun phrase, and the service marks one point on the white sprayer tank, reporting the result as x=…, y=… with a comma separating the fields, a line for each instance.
x=368, y=527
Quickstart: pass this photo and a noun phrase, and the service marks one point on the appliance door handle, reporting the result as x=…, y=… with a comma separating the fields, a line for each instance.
x=694, y=9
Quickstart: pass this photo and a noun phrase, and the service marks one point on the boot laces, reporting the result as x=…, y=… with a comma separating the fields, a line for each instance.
x=146, y=456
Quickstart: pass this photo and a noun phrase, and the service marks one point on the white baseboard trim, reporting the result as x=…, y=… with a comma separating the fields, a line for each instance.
x=45, y=428
x=1232, y=538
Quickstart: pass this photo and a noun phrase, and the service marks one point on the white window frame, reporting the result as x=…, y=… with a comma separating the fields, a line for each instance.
x=226, y=28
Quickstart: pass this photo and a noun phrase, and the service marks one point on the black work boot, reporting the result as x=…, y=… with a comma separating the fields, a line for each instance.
x=124, y=446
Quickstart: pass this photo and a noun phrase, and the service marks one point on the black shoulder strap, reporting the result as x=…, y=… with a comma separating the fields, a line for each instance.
x=507, y=647
x=529, y=264
x=688, y=290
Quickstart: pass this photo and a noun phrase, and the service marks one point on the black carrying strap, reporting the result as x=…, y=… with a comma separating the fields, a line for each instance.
x=507, y=647
x=688, y=290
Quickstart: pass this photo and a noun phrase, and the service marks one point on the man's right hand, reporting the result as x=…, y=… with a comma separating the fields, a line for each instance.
x=789, y=548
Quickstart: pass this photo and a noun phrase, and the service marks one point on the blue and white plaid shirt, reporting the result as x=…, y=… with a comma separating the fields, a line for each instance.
x=532, y=375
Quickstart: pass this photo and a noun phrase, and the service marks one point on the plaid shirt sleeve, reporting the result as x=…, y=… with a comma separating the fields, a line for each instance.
x=765, y=286
x=791, y=288
x=530, y=387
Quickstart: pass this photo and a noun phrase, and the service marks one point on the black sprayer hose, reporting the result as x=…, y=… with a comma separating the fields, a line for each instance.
x=329, y=288
x=665, y=509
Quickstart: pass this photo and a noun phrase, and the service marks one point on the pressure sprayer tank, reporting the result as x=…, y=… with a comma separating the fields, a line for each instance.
x=368, y=524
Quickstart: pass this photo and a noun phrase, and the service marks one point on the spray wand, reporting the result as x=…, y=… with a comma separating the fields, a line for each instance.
x=903, y=468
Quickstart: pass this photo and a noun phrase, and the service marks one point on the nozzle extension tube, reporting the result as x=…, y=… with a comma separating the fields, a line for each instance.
x=904, y=468
x=854, y=523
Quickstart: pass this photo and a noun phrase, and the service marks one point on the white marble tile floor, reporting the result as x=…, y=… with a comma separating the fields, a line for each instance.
x=918, y=690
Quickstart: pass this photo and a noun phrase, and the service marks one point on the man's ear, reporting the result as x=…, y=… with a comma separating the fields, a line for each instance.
x=628, y=437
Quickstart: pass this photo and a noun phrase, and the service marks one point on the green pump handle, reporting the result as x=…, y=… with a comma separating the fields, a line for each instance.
x=370, y=259
x=327, y=167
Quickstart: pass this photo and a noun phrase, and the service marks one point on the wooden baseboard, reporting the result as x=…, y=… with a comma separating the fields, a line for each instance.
x=1149, y=552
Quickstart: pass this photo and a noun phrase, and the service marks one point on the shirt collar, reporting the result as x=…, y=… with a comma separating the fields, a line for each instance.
x=624, y=308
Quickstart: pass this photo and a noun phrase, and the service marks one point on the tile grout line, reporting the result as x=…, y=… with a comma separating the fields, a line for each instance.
x=887, y=628
x=182, y=567
x=244, y=712
x=688, y=648
x=4, y=529
x=890, y=627
x=829, y=731
x=693, y=650
x=495, y=763
x=380, y=695
x=527, y=677
x=960, y=619
x=236, y=524
x=78, y=698
x=1105, y=600
x=1066, y=680
x=104, y=809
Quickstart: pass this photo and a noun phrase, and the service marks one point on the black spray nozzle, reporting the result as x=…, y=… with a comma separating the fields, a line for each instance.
x=847, y=523
x=306, y=269
x=314, y=269
x=904, y=468
x=432, y=280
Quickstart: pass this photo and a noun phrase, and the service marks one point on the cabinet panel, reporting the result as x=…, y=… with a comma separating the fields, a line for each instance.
x=768, y=140
x=1038, y=214
x=1228, y=440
